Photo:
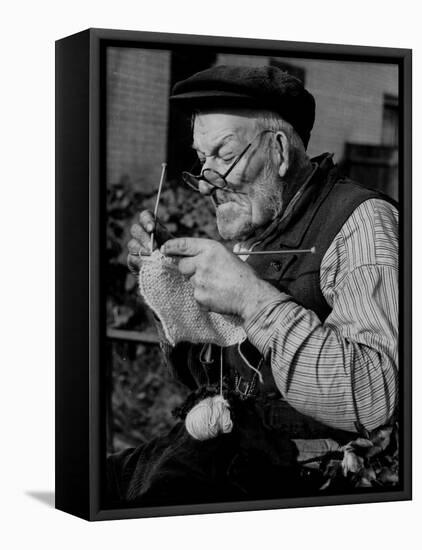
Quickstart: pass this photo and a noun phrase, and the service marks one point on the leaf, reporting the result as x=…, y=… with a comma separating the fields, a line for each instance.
x=121, y=315
x=363, y=482
x=368, y=473
x=331, y=471
x=374, y=451
x=130, y=282
x=362, y=442
x=351, y=463
x=381, y=437
x=388, y=477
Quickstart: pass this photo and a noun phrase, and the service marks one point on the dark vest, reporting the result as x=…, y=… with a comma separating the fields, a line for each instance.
x=325, y=205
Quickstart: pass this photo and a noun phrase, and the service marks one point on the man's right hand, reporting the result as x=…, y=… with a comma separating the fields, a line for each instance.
x=140, y=244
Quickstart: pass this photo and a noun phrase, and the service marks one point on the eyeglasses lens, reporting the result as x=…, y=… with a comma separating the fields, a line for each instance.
x=209, y=176
x=190, y=180
x=214, y=178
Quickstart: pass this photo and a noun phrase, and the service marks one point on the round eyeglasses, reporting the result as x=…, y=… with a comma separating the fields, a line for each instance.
x=214, y=178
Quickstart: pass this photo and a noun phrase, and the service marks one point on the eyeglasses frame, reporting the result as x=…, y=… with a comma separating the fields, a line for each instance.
x=202, y=177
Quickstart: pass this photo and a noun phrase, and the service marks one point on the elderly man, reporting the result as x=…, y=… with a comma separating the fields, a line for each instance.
x=321, y=328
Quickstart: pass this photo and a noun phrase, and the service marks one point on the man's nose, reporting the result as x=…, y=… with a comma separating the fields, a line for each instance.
x=205, y=188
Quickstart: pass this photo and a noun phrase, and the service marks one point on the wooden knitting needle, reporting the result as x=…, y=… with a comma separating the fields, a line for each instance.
x=297, y=251
x=163, y=171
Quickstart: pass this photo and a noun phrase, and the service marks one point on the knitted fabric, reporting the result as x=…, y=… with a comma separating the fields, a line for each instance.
x=170, y=296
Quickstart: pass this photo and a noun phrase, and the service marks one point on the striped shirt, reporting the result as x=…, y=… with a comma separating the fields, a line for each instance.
x=344, y=370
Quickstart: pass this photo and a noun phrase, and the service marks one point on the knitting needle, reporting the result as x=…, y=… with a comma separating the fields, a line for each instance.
x=163, y=171
x=256, y=252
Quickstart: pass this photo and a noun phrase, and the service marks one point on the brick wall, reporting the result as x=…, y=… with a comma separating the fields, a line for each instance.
x=242, y=60
x=137, y=115
x=349, y=98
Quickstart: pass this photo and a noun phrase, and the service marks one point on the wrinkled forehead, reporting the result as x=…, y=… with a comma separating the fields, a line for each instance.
x=211, y=125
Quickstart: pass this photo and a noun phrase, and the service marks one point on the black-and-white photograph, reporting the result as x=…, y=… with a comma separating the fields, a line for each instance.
x=208, y=251
x=252, y=276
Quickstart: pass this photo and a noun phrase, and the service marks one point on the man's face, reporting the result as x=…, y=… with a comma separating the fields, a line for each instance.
x=219, y=138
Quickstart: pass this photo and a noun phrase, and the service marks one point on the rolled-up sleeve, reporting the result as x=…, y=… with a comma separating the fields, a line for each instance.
x=342, y=371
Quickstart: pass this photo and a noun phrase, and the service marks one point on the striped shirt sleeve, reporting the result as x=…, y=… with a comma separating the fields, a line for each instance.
x=344, y=370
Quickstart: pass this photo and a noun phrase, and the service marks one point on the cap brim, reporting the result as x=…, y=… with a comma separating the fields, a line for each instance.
x=208, y=94
x=213, y=98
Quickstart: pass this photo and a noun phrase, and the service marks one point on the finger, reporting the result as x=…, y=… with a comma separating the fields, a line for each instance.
x=134, y=247
x=150, y=225
x=140, y=235
x=200, y=300
x=147, y=221
x=185, y=246
x=134, y=264
x=187, y=267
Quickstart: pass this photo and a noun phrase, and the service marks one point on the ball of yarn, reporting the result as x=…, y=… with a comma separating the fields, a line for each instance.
x=208, y=418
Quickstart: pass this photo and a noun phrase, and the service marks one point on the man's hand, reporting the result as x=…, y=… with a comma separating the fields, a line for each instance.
x=222, y=282
x=140, y=244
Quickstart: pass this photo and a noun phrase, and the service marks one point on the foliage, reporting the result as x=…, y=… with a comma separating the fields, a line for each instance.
x=123, y=308
x=143, y=395
x=368, y=462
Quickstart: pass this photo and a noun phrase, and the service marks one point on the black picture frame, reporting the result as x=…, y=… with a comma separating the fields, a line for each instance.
x=80, y=318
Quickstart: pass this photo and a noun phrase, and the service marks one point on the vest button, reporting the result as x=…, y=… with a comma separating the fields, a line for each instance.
x=276, y=265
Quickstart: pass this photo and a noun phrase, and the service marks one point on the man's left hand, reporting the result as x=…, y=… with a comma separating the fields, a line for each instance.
x=222, y=282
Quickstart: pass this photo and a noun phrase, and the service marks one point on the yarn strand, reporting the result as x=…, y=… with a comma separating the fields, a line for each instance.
x=211, y=416
x=249, y=365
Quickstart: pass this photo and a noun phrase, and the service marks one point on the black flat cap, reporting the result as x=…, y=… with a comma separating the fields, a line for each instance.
x=266, y=88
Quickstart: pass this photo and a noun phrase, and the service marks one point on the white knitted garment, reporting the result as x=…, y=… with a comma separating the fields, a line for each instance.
x=170, y=296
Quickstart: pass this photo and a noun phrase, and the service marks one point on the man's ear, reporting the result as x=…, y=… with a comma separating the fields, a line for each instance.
x=284, y=153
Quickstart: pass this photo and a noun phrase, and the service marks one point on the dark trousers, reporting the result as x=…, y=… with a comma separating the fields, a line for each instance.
x=257, y=460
